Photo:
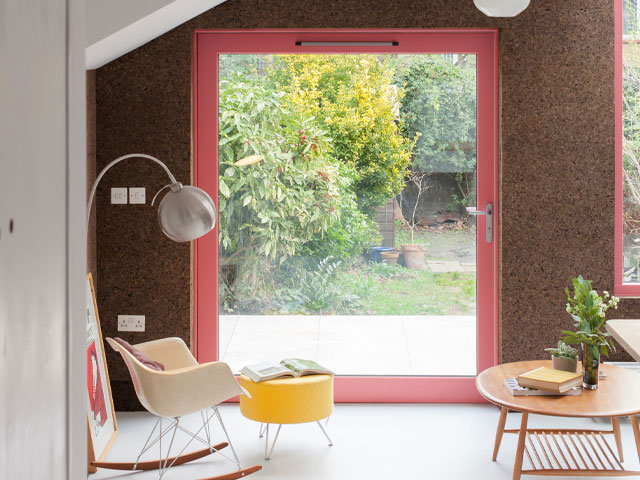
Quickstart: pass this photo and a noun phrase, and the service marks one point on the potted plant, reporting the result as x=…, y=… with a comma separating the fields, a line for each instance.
x=414, y=254
x=588, y=310
x=564, y=357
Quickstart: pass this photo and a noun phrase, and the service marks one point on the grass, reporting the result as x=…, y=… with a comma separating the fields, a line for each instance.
x=394, y=290
x=423, y=293
x=359, y=288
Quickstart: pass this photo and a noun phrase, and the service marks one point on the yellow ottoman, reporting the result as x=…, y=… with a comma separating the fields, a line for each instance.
x=286, y=401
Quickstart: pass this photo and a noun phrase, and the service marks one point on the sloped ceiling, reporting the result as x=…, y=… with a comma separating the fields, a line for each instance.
x=115, y=27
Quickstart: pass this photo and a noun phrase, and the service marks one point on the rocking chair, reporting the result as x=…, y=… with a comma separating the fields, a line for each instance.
x=184, y=387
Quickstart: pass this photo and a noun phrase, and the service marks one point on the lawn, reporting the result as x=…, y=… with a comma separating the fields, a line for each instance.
x=423, y=293
x=358, y=287
x=393, y=290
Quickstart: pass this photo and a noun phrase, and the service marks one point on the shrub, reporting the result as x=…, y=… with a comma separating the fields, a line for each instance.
x=275, y=206
x=348, y=236
x=439, y=105
x=353, y=98
x=316, y=290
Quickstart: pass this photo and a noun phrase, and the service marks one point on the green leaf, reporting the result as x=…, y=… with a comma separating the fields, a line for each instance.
x=229, y=172
x=224, y=190
x=247, y=200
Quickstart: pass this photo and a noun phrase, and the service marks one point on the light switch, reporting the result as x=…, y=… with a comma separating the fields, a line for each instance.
x=137, y=195
x=119, y=196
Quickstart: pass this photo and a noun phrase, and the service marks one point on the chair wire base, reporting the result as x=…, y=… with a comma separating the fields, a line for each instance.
x=173, y=427
x=264, y=432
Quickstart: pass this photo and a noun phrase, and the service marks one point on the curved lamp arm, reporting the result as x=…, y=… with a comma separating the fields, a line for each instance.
x=118, y=160
x=185, y=213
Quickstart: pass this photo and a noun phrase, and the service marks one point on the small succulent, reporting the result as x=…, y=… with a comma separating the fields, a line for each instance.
x=563, y=350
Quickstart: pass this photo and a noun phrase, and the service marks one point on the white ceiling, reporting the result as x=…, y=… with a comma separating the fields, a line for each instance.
x=115, y=27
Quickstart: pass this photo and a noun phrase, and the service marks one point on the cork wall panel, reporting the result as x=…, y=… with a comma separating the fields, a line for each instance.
x=557, y=155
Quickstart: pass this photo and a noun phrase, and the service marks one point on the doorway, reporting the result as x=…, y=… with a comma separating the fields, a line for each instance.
x=314, y=142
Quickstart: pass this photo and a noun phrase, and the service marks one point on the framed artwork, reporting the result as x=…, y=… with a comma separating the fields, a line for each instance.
x=100, y=413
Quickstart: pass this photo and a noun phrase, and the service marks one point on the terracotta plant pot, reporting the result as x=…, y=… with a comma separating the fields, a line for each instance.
x=390, y=258
x=564, y=364
x=413, y=256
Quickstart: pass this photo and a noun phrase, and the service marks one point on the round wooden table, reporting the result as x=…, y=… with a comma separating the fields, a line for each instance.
x=566, y=452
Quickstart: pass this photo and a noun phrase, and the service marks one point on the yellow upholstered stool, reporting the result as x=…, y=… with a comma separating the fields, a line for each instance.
x=287, y=400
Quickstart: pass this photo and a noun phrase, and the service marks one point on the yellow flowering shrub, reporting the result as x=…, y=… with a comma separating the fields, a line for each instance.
x=354, y=100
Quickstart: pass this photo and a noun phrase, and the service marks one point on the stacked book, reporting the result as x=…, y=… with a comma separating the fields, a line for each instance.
x=545, y=381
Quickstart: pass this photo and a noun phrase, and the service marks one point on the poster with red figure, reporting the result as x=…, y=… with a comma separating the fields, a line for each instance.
x=100, y=413
x=94, y=387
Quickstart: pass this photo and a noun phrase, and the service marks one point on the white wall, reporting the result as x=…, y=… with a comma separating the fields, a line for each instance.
x=42, y=134
x=115, y=27
x=105, y=18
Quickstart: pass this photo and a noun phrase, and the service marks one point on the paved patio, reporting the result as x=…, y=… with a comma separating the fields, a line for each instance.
x=354, y=345
x=445, y=266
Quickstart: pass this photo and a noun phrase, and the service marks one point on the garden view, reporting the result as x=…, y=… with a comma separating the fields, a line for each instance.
x=323, y=161
x=309, y=147
x=631, y=146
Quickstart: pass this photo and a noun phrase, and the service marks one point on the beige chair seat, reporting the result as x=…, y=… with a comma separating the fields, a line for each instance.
x=185, y=386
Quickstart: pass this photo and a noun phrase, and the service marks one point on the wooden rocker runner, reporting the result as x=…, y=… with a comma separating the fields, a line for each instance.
x=183, y=388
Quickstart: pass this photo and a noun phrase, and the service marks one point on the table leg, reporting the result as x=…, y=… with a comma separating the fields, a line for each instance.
x=636, y=432
x=499, y=431
x=522, y=436
x=615, y=423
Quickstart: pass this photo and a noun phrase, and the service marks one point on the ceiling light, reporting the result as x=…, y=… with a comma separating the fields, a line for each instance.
x=501, y=8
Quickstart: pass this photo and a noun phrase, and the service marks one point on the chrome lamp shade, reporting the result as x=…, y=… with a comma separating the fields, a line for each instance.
x=186, y=213
x=501, y=8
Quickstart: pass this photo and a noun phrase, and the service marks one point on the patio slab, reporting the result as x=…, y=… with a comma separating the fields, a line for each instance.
x=446, y=266
x=354, y=344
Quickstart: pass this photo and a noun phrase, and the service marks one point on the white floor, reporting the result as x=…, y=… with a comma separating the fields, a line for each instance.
x=385, y=442
x=354, y=344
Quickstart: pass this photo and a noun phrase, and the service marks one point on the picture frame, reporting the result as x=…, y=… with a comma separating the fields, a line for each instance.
x=101, y=416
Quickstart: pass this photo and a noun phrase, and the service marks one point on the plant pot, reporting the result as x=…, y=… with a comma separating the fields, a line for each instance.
x=590, y=366
x=565, y=364
x=413, y=256
x=390, y=258
x=376, y=253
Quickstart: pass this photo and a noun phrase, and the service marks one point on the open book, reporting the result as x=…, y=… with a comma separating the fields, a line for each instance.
x=289, y=367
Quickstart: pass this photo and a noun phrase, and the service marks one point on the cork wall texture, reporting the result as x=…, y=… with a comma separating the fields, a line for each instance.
x=557, y=155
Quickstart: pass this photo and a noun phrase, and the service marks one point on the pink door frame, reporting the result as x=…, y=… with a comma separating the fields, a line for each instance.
x=621, y=289
x=482, y=42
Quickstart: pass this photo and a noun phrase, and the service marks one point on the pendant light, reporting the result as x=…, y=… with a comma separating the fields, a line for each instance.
x=501, y=8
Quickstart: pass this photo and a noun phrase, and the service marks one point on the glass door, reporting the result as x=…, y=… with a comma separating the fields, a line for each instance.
x=347, y=171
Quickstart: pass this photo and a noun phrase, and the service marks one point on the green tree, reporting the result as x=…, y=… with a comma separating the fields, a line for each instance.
x=439, y=105
x=353, y=99
x=275, y=205
x=631, y=131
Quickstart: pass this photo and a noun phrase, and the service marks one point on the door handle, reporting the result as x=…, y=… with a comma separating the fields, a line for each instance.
x=488, y=211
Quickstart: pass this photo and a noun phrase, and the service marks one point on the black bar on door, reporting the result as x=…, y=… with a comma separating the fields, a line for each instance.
x=346, y=44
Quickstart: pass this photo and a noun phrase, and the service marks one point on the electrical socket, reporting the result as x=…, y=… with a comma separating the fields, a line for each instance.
x=131, y=323
x=119, y=196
